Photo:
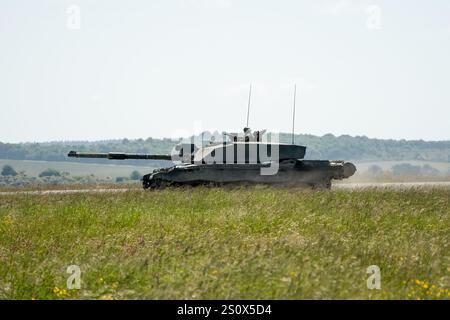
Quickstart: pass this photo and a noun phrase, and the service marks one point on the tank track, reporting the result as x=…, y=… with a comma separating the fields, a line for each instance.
x=315, y=174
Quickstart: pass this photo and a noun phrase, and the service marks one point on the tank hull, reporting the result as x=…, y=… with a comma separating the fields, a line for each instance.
x=304, y=173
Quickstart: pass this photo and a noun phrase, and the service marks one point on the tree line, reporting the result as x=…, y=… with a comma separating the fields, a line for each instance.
x=318, y=147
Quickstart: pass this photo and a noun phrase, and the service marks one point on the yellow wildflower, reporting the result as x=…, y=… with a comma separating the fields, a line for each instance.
x=60, y=293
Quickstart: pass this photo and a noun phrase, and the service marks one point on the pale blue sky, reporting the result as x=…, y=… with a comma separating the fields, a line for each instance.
x=163, y=68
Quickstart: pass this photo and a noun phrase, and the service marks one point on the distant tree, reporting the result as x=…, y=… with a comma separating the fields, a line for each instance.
x=135, y=175
x=428, y=170
x=121, y=179
x=375, y=170
x=406, y=169
x=8, y=170
x=49, y=173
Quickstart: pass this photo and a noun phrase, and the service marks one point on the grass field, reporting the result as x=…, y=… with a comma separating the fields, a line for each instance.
x=363, y=166
x=33, y=168
x=257, y=243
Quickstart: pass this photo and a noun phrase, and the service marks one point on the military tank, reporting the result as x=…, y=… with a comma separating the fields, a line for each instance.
x=239, y=159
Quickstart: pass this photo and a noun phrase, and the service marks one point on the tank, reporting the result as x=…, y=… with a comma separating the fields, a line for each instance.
x=239, y=159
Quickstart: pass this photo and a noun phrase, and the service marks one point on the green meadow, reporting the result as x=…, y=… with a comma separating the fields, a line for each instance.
x=214, y=243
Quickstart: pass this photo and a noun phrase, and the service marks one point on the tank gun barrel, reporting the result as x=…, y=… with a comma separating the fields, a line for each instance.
x=119, y=155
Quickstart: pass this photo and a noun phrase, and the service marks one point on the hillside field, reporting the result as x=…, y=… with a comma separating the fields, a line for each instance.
x=33, y=168
x=206, y=243
x=363, y=166
x=115, y=169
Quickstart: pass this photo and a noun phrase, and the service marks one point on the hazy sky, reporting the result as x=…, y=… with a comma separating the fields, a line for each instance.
x=165, y=68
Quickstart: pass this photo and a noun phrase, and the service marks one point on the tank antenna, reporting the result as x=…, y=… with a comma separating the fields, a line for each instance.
x=248, y=106
x=293, y=113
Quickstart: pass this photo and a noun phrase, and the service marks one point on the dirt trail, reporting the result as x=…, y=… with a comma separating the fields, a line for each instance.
x=349, y=186
x=47, y=192
x=390, y=185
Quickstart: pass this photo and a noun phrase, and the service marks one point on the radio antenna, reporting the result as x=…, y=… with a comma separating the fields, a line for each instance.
x=293, y=113
x=248, y=106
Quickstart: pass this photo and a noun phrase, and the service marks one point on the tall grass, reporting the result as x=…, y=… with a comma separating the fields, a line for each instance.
x=205, y=243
